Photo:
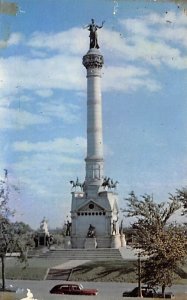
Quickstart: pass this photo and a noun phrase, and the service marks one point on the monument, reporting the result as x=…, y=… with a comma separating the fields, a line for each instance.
x=43, y=237
x=94, y=208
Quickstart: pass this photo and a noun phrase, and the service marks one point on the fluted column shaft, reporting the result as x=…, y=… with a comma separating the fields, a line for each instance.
x=93, y=61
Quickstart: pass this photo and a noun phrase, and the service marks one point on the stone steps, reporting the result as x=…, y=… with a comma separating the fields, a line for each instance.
x=83, y=254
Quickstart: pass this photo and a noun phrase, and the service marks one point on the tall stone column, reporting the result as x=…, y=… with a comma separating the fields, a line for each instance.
x=93, y=62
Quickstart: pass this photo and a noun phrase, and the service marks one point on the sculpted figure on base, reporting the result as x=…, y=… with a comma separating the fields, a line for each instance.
x=93, y=34
x=91, y=231
x=77, y=183
x=68, y=228
x=114, y=228
x=44, y=226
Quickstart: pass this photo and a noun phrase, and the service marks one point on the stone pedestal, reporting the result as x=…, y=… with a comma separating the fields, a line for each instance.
x=123, y=241
x=42, y=239
x=90, y=243
x=115, y=241
x=100, y=211
x=67, y=242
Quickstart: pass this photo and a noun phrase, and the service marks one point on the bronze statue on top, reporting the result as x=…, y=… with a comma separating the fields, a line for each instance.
x=93, y=34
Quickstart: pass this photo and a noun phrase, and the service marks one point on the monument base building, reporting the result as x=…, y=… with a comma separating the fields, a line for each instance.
x=99, y=211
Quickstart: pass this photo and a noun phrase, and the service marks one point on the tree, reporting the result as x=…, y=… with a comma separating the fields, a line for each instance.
x=22, y=228
x=164, y=244
x=159, y=269
x=10, y=240
x=182, y=197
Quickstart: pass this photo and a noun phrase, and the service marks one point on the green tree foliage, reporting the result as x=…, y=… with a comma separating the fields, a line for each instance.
x=11, y=239
x=165, y=244
x=181, y=196
x=22, y=228
x=169, y=251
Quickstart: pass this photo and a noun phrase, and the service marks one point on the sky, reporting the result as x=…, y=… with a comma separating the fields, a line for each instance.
x=43, y=99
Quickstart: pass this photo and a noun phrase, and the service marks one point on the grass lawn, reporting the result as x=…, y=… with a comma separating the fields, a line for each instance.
x=36, y=269
x=99, y=271
x=117, y=271
x=28, y=273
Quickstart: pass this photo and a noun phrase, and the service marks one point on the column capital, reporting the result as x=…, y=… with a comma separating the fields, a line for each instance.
x=93, y=59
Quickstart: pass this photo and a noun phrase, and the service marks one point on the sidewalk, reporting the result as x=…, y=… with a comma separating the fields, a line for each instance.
x=70, y=264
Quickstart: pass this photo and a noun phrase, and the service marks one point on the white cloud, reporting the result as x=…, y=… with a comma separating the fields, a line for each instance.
x=128, y=78
x=51, y=162
x=67, y=112
x=60, y=145
x=177, y=35
x=72, y=41
x=45, y=168
x=12, y=118
x=179, y=19
x=74, y=82
x=60, y=72
x=45, y=93
x=148, y=41
x=24, y=98
x=15, y=38
x=173, y=27
x=5, y=101
x=159, y=53
x=156, y=39
x=19, y=119
x=136, y=26
x=38, y=54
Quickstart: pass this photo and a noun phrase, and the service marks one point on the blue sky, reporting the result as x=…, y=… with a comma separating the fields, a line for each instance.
x=43, y=100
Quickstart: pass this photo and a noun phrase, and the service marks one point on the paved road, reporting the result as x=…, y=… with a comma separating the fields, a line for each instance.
x=107, y=290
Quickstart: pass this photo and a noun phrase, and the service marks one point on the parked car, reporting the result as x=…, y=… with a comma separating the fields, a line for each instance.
x=147, y=292
x=72, y=289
